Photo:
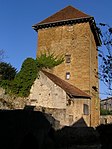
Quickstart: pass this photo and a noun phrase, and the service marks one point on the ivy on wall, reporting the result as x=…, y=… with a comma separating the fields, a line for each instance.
x=49, y=60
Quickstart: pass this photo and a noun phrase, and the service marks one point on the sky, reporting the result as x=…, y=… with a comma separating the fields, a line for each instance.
x=19, y=40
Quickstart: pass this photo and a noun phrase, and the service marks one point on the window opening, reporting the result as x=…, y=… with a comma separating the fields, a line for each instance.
x=68, y=58
x=67, y=75
x=85, y=109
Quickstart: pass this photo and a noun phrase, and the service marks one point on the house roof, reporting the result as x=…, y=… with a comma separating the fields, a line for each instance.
x=67, y=87
x=68, y=15
x=109, y=98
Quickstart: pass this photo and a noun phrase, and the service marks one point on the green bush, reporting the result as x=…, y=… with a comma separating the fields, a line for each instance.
x=7, y=85
x=20, y=84
x=25, y=78
x=7, y=71
x=7, y=74
x=105, y=112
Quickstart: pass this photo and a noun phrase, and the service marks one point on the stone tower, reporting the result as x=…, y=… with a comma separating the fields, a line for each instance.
x=73, y=34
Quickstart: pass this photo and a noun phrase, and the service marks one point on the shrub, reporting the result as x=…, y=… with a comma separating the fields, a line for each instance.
x=25, y=78
x=105, y=112
x=7, y=71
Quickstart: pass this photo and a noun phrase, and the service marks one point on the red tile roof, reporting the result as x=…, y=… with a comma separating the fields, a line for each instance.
x=67, y=87
x=67, y=13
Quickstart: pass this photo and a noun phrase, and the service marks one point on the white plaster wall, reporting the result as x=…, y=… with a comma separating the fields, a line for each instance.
x=47, y=94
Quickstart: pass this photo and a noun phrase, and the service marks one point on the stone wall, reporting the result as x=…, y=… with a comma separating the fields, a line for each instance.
x=106, y=119
x=58, y=115
x=78, y=41
x=75, y=111
x=11, y=102
x=71, y=116
x=54, y=100
x=45, y=93
x=73, y=40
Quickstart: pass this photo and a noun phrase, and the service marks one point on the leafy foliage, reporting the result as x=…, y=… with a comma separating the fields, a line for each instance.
x=29, y=71
x=20, y=84
x=25, y=78
x=105, y=112
x=48, y=60
x=7, y=85
x=7, y=71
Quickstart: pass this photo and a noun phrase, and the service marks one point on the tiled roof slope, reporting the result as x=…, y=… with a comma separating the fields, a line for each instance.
x=67, y=87
x=68, y=13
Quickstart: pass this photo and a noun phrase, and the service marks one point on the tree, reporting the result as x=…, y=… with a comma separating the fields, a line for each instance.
x=25, y=78
x=29, y=72
x=105, y=54
x=7, y=71
x=20, y=84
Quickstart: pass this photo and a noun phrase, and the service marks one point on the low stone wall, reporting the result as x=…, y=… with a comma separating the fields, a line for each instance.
x=55, y=116
x=106, y=119
x=11, y=102
x=2, y=92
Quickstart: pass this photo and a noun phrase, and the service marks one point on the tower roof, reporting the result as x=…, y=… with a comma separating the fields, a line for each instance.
x=69, y=15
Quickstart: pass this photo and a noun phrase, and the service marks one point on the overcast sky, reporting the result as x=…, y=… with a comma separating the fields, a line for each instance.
x=17, y=37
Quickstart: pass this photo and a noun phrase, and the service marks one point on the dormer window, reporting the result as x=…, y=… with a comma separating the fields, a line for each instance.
x=68, y=58
x=67, y=75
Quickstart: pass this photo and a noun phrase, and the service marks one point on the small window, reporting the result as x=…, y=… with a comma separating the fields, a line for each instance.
x=85, y=109
x=68, y=58
x=67, y=75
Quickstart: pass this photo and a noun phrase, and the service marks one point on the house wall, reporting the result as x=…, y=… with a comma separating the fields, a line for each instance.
x=72, y=115
x=47, y=94
x=73, y=40
x=106, y=119
x=78, y=41
x=75, y=111
x=94, y=82
x=54, y=101
x=106, y=104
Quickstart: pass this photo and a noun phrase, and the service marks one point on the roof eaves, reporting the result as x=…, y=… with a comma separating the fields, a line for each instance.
x=89, y=19
x=94, y=29
x=105, y=99
x=75, y=20
x=79, y=96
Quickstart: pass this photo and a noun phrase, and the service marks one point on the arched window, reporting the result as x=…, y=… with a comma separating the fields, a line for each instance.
x=85, y=109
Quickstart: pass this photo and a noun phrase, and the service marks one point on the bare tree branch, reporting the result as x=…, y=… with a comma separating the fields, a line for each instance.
x=105, y=56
